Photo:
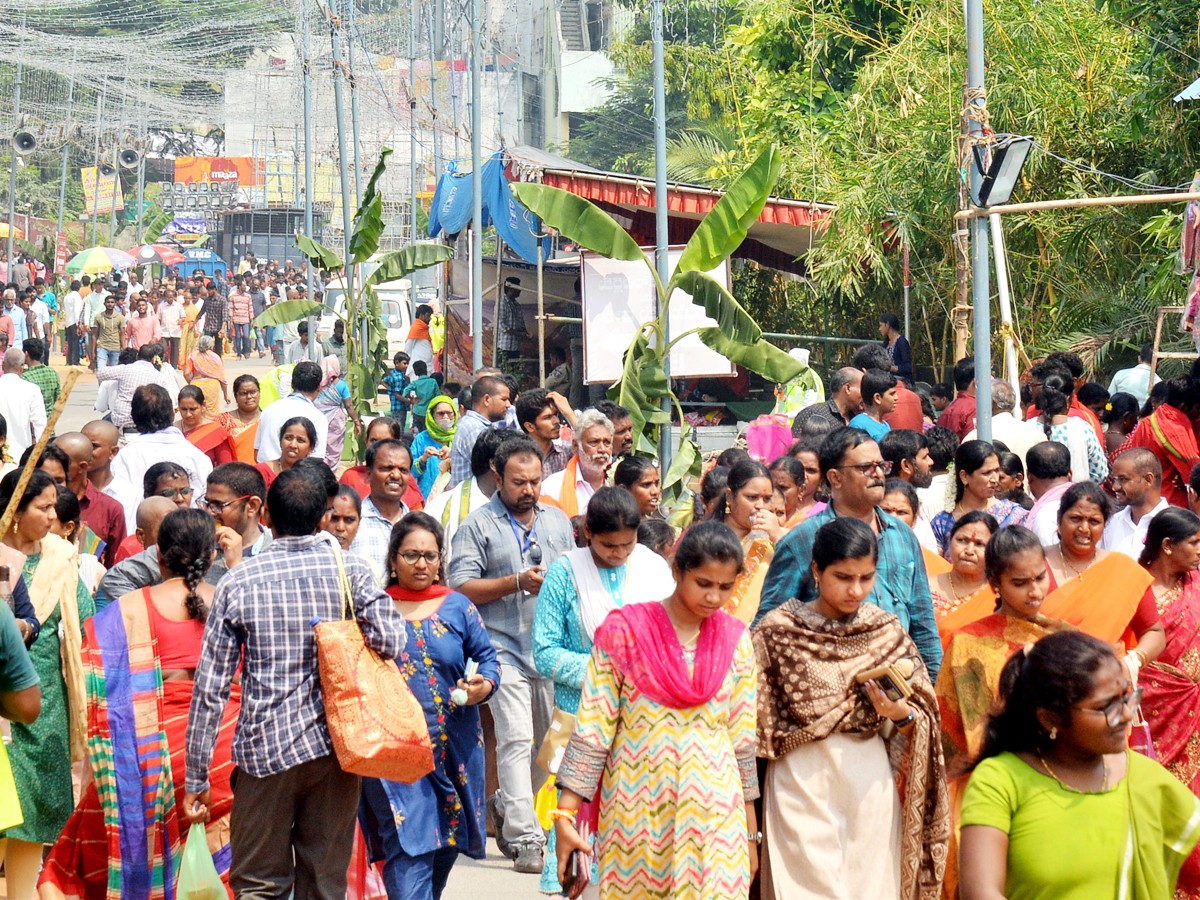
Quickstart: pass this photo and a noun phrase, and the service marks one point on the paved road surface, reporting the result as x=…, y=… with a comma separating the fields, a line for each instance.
x=491, y=879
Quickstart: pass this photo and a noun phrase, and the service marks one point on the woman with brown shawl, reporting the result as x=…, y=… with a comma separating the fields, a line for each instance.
x=855, y=800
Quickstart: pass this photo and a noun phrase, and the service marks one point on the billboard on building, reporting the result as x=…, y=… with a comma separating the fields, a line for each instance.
x=202, y=169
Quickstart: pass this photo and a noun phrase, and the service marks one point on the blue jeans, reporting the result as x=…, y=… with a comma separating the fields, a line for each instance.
x=106, y=358
x=418, y=877
x=241, y=338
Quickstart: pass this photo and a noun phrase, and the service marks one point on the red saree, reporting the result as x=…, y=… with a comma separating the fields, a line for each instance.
x=213, y=441
x=1171, y=704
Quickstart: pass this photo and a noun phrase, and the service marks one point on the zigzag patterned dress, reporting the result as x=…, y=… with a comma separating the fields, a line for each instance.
x=673, y=786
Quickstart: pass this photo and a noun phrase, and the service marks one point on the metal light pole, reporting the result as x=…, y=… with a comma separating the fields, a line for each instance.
x=62, y=184
x=306, y=91
x=351, y=4
x=476, y=189
x=661, y=263
x=980, y=292
x=12, y=165
x=412, y=130
x=141, y=169
x=338, y=77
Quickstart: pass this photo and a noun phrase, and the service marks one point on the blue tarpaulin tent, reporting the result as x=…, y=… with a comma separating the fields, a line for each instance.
x=450, y=211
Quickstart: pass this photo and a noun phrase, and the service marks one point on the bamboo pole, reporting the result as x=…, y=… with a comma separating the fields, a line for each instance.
x=32, y=463
x=979, y=212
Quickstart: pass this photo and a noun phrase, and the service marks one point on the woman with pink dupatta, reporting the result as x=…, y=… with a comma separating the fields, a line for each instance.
x=664, y=736
x=1171, y=684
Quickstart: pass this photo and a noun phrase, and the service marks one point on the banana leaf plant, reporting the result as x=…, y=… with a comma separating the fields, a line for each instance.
x=644, y=385
x=366, y=335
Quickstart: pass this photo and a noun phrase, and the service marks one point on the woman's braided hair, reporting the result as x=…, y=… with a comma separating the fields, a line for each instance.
x=186, y=540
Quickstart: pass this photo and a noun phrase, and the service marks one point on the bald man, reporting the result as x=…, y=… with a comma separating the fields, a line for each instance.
x=101, y=513
x=104, y=437
x=1136, y=479
x=138, y=568
x=844, y=403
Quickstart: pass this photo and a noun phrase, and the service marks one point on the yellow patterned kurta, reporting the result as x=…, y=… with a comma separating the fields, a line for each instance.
x=674, y=785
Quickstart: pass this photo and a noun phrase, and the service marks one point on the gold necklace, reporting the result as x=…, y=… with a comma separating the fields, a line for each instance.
x=1050, y=772
x=954, y=591
x=1066, y=562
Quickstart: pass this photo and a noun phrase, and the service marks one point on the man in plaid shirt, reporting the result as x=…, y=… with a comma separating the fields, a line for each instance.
x=294, y=808
x=39, y=374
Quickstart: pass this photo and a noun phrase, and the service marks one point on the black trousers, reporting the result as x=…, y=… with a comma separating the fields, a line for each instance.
x=291, y=834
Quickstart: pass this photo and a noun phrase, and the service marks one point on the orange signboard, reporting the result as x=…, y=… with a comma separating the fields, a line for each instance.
x=199, y=169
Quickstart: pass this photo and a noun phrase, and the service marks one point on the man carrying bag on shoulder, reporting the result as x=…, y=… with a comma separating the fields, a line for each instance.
x=292, y=824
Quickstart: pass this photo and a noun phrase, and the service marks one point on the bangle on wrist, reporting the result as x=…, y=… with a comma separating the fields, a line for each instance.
x=569, y=814
x=755, y=837
x=519, y=574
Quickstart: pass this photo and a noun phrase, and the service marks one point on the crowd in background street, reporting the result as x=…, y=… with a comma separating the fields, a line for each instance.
x=891, y=660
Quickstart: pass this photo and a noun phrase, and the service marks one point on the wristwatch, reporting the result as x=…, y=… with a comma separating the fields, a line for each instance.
x=907, y=720
x=754, y=837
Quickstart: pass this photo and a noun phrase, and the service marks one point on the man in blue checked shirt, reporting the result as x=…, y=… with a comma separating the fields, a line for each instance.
x=294, y=809
x=855, y=472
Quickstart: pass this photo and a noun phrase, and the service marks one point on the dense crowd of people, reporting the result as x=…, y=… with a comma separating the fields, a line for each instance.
x=895, y=660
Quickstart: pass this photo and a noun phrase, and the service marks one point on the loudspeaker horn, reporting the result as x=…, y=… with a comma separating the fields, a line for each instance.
x=24, y=142
x=106, y=170
x=129, y=159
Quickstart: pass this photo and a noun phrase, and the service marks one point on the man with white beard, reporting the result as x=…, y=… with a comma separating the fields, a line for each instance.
x=585, y=473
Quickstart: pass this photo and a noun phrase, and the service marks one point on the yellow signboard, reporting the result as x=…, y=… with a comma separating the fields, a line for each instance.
x=108, y=198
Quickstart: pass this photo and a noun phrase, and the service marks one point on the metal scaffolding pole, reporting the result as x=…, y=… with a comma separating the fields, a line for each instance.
x=339, y=75
x=353, y=36
x=12, y=164
x=980, y=290
x=66, y=152
x=476, y=187
x=661, y=263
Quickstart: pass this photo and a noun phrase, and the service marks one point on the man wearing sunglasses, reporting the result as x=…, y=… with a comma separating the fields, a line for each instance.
x=855, y=471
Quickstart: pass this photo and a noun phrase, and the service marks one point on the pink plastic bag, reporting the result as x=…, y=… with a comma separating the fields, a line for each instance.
x=768, y=437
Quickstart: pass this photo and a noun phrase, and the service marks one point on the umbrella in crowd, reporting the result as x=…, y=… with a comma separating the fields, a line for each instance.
x=160, y=254
x=99, y=259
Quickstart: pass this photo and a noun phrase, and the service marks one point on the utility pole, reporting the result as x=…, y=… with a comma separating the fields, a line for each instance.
x=339, y=75
x=476, y=188
x=141, y=170
x=306, y=90
x=116, y=164
x=351, y=4
x=12, y=163
x=980, y=292
x=412, y=130
x=661, y=263
x=499, y=99
x=62, y=184
x=433, y=101
x=96, y=157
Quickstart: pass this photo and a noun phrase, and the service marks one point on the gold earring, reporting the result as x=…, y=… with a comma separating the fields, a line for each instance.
x=1054, y=734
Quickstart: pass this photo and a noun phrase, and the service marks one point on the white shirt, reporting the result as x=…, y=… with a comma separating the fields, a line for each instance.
x=933, y=498
x=1016, y=435
x=1134, y=381
x=1122, y=535
x=266, y=442
x=73, y=308
x=42, y=311
x=170, y=318
x=447, y=508
x=144, y=450
x=24, y=410
x=553, y=487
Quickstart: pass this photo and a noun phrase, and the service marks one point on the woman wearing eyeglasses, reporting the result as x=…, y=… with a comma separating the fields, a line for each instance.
x=977, y=478
x=1058, y=806
x=420, y=829
x=1172, y=682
